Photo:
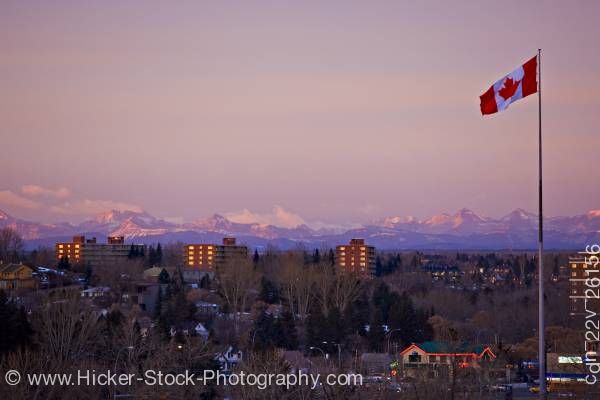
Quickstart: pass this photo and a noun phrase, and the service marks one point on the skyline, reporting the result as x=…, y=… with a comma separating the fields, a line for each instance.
x=212, y=108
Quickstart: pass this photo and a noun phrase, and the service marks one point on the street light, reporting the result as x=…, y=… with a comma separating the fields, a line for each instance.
x=339, y=347
x=325, y=355
x=389, y=335
x=254, y=335
x=117, y=359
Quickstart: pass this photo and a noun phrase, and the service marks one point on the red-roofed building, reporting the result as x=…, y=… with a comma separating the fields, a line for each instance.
x=438, y=356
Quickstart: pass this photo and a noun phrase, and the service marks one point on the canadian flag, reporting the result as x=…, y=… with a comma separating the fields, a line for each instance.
x=518, y=84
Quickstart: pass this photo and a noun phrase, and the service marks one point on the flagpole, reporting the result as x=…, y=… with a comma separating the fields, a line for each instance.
x=541, y=335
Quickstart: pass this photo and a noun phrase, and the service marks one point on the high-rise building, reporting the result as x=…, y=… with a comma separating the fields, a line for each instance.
x=356, y=257
x=577, y=278
x=208, y=256
x=580, y=301
x=90, y=252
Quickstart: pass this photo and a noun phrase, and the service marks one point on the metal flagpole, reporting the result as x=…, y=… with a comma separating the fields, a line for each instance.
x=541, y=336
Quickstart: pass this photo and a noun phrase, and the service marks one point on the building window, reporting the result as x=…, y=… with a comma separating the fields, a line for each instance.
x=414, y=358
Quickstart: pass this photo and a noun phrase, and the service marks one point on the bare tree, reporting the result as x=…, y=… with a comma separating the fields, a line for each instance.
x=11, y=245
x=67, y=331
x=297, y=282
x=336, y=289
x=236, y=279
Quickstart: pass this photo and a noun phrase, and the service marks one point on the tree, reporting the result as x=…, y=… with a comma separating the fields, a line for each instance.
x=269, y=292
x=11, y=245
x=158, y=255
x=15, y=330
x=133, y=253
x=88, y=272
x=297, y=281
x=266, y=333
x=336, y=289
x=235, y=280
x=163, y=277
x=64, y=263
x=316, y=258
x=289, y=335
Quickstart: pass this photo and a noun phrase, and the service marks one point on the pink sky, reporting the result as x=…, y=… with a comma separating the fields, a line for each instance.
x=340, y=112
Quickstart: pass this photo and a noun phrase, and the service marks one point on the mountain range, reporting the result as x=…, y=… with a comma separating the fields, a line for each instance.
x=462, y=230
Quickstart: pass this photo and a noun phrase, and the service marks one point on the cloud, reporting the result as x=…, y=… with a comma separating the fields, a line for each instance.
x=38, y=191
x=89, y=206
x=278, y=216
x=11, y=199
x=52, y=203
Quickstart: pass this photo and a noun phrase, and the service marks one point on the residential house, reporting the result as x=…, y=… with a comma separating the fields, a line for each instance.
x=438, y=356
x=16, y=276
x=207, y=308
x=228, y=359
x=144, y=294
x=157, y=274
x=375, y=363
x=95, y=292
x=196, y=276
x=296, y=361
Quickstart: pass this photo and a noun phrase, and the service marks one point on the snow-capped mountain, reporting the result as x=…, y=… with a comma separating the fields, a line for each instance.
x=464, y=229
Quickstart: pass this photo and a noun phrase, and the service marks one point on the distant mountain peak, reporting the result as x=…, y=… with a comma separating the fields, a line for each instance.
x=118, y=216
x=438, y=219
x=517, y=229
x=391, y=222
x=469, y=214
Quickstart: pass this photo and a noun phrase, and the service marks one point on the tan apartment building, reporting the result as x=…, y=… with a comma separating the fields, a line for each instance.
x=89, y=251
x=208, y=256
x=356, y=257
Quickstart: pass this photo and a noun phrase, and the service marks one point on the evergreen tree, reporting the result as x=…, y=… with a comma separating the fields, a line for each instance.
x=378, y=266
x=256, y=257
x=158, y=304
x=316, y=258
x=132, y=252
x=289, y=336
x=269, y=292
x=267, y=332
x=314, y=327
x=358, y=314
x=376, y=334
x=64, y=263
x=151, y=257
x=331, y=257
x=158, y=255
x=163, y=277
x=88, y=272
x=15, y=330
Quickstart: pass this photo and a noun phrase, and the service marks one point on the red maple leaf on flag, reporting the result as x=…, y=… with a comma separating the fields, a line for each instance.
x=508, y=88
